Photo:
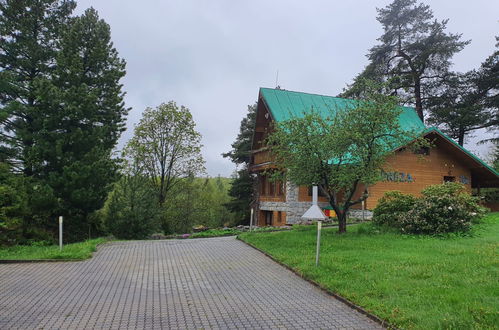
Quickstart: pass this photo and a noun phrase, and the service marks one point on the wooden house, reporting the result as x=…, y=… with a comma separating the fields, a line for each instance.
x=280, y=203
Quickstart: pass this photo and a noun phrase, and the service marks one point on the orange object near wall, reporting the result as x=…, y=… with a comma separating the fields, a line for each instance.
x=330, y=213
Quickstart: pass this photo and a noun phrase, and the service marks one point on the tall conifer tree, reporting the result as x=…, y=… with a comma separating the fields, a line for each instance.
x=61, y=108
x=83, y=117
x=414, y=52
x=29, y=31
x=242, y=186
x=468, y=102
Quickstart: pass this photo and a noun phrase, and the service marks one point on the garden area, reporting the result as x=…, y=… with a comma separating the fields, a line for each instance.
x=424, y=282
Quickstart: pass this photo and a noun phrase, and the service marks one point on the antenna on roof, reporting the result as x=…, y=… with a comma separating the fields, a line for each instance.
x=277, y=80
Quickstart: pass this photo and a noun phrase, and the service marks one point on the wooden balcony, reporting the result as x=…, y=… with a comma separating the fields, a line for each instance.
x=262, y=156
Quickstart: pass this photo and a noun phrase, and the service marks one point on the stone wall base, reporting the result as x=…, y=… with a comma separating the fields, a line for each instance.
x=294, y=210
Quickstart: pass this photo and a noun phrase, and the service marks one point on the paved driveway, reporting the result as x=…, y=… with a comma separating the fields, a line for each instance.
x=200, y=283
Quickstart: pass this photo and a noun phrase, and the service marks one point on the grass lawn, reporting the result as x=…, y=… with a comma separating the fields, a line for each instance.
x=230, y=231
x=76, y=251
x=411, y=281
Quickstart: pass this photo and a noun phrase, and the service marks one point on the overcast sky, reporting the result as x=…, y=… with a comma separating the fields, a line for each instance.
x=212, y=56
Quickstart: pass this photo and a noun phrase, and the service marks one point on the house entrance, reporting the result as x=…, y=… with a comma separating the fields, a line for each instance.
x=268, y=218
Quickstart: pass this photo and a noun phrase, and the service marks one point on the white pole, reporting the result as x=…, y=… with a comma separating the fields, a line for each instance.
x=251, y=219
x=60, y=232
x=363, y=208
x=319, y=226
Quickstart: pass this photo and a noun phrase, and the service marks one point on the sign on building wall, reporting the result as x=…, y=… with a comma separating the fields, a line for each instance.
x=396, y=176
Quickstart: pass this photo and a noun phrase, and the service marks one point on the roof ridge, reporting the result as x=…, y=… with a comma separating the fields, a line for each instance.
x=322, y=95
x=287, y=90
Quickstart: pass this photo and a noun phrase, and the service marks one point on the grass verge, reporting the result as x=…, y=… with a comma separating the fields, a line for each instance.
x=420, y=282
x=225, y=232
x=75, y=251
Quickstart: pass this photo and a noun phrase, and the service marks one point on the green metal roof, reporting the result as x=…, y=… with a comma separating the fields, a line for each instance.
x=285, y=105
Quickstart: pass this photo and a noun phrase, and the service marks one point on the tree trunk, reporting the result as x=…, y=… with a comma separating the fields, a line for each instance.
x=417, y=96
x=161, y=198
x=460, y=138
x=161, y=195
x=342, y=222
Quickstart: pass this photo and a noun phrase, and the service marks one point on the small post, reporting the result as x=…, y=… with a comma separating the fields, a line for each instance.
x=251, y=219
x=315, y=213
x=60, y=233
x=363, y=208
x=319, y=227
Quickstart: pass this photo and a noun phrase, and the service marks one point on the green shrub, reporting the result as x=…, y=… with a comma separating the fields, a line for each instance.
x=13, y=204
x=490, y=195
x=132, y=211
x=391, y=206
x=33, y=235
x=442, y=208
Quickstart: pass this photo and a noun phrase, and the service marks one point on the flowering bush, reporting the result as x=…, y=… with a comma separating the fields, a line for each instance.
x=391, y=206
x=442, y=208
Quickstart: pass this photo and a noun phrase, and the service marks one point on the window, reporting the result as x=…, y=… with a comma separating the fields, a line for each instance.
x=449, y=179
x=271, y=188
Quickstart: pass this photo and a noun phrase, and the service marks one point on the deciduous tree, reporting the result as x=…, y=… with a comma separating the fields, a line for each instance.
x=167, y=146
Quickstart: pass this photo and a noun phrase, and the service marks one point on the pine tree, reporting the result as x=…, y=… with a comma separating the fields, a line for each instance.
x=29, y=31
x=414, y=52
x=456, y=108
x=467, y=102
x=242, y=185
x=488, y=89
x=83, y=117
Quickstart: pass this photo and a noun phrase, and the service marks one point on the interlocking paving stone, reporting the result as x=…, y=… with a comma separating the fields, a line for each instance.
x=171, y=284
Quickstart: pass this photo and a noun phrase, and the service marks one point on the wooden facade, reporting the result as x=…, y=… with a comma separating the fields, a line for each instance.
x=438, y=166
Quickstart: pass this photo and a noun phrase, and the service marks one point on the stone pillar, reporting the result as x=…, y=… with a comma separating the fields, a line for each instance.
x=296, y=208
x=291, y=202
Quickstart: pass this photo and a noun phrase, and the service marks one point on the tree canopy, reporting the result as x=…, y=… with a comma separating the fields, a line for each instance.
x=414, y=51
x=30, y=32
x=61, y=109
x=467, y=101
x=167, y=147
